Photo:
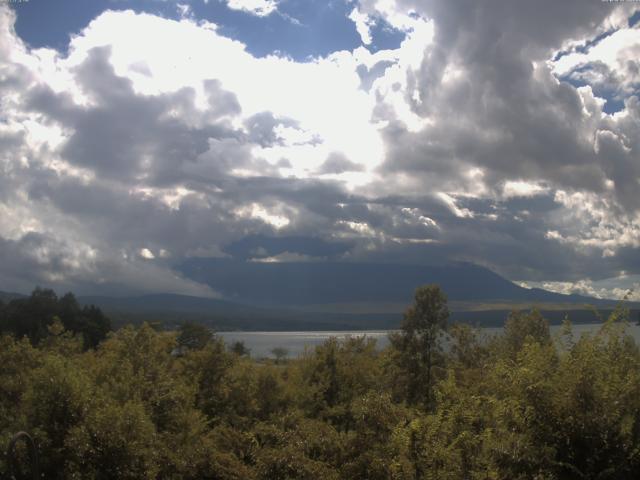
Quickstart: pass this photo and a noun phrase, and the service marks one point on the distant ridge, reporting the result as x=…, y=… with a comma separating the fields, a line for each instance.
x=287, y=284
x=167, y=302
x=336, y=296
x=8, y=296
x=171, y=310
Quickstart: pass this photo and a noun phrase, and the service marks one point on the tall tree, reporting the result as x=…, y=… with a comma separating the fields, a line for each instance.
x=418, y=342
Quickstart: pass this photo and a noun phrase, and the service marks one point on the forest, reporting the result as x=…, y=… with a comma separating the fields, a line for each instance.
x=443, y=401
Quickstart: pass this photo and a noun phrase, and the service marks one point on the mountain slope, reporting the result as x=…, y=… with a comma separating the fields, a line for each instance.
x=171, y=310
x=167, y=302
x=8, y=296
x=287, y=284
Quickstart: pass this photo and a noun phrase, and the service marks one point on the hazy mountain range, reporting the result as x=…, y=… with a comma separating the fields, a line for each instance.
x=327, y=296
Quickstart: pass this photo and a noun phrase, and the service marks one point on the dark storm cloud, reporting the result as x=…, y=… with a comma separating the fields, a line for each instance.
x=509, y=240
x=134, y=221
x=126, y=135
x=41, y=259
x=524, y=128
x=30, y=260
x=260, y=246
x=494, y=105
x=504, y=114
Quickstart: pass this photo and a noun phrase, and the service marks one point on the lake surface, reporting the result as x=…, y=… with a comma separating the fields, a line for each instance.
x=261, y=343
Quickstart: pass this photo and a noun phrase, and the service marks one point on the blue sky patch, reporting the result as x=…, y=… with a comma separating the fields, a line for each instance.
x=299, y=29
x=384, y=36
x=613, y=101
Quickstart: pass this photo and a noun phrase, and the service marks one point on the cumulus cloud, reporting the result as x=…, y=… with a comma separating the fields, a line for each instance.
x=472, y=141
x=363, y=25
x=625, y=288
x=261, y=8
x=610, y=65
x=499, y=122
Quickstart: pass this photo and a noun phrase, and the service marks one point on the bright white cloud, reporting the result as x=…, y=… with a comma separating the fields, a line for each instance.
x=587, y=223
x=261, y=8
x=268, y=215
x=394, y=13
x=451, y=203
x=363, y=25
x=285, y=257
x=612, y=63
x=147, y=254
x=323, y=95
x=617, y=288
x=514, y=189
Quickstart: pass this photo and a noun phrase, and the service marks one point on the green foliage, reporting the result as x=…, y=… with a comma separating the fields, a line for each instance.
x=194, y=336
x=370, y=451
x=334, y=375
x=209, y=369
x=518, y=406
x=280, y=353
x=239, y=348
x=417, y=345
x=114, y=441
x=522, y=328
x=31, y=317
x=19, y=362
x=56, y=402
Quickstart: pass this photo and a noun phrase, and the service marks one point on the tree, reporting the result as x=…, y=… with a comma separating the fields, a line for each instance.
x=113, y=441
x=521, y=328
x=94, y=326
x=88, y=321
x=417, y=343
x=239, y=348
x=194, y=336
x=280, y=353
x=32, y=317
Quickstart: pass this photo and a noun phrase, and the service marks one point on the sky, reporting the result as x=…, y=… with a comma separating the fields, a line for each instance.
x=137, y=134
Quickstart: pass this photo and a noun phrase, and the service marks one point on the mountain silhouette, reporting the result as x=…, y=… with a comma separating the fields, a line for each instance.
x=308, y=283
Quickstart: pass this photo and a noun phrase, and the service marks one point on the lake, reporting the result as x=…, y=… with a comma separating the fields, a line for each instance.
x=261, y=343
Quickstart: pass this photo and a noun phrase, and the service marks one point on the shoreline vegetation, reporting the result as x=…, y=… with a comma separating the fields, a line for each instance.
x=143, y=403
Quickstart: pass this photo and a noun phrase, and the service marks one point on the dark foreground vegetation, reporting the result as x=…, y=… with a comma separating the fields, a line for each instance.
x=33, y=317
x=145, y=404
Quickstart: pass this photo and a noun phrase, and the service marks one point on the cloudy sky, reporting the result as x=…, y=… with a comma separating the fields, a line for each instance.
x=136, y=134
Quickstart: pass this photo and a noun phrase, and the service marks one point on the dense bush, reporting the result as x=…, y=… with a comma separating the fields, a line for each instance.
x=521, y=405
